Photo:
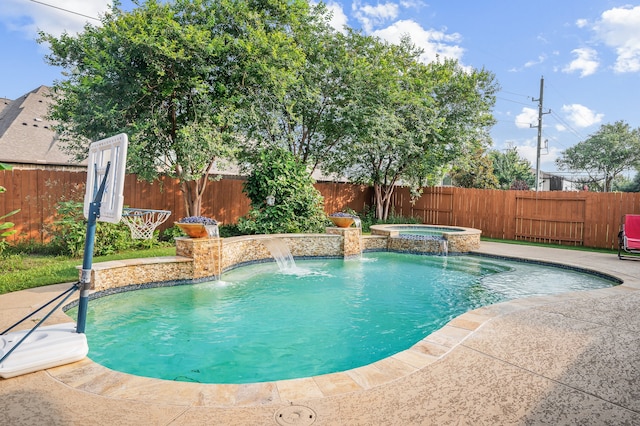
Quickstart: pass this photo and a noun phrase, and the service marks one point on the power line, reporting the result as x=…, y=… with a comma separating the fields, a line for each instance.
x=567, y=102
x=65, y=10
x=515, y=94
x=512, y=101
x=567, y=125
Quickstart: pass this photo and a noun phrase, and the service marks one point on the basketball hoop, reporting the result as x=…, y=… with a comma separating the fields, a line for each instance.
x=142, y=222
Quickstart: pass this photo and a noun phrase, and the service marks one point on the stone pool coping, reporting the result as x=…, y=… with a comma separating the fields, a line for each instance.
x=421, y=383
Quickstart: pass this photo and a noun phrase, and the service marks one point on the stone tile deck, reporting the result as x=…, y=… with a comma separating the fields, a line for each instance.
x=567, y=359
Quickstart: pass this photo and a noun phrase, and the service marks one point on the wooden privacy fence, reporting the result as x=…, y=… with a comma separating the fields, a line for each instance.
x=572, y=218
x=590, y=219
x=37, y=192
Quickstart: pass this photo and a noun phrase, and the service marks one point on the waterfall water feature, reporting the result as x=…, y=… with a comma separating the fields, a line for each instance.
x=280, y=252
x=445, y=247
x=356, y=222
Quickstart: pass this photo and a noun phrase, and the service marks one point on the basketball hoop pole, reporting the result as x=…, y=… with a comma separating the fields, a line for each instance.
x=87, y=260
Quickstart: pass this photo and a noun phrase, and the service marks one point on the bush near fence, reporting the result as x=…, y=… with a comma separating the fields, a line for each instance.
x=588, y=219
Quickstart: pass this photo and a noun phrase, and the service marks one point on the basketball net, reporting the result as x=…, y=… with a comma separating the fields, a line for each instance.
x=142, y=222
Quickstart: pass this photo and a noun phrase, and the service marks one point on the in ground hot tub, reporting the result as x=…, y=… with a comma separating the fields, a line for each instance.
x=429, y=238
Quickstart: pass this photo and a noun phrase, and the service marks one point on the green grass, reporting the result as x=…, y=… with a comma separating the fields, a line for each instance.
x=21, y=272
x=565, y=247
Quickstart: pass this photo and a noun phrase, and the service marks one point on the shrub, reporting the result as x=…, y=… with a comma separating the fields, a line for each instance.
x=297, y=205
x=69, y=230
x=368, y=218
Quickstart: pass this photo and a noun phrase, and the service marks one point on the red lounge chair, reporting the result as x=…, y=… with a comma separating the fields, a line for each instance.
x=629, y=236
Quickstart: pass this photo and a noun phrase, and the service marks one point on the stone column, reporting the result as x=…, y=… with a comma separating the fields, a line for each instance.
x=206, y=254
x=351, y=245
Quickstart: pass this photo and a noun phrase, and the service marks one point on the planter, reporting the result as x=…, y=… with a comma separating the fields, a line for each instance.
x=198, y=230
x=341, y=222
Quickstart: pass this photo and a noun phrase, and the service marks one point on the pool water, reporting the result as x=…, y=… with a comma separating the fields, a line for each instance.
x=262, y=324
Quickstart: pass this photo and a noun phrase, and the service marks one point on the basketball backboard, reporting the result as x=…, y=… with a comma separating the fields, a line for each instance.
x=111, y=150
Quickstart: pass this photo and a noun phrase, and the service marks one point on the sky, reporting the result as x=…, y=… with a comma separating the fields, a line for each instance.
x=587, y=52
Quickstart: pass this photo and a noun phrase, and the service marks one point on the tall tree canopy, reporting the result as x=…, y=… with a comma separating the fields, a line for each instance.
x=475, y=171
x=410, y=120
x=191, y=80
x=302, y=111
x=168, y=74
x=605, y=154
x=509, y=167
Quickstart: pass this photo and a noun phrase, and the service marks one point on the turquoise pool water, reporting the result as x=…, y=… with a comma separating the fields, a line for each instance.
x=262, y=324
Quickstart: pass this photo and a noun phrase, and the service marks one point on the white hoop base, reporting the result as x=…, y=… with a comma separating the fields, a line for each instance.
x=142, y=222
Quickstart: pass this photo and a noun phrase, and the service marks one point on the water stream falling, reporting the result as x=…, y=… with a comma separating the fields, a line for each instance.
x=356, y=222
x=445, y=247
x=280, y=252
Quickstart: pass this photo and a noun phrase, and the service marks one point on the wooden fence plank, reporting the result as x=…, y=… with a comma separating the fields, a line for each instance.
x=578, y=218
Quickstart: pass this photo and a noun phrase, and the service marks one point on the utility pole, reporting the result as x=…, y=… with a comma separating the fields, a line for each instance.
x=540, y=114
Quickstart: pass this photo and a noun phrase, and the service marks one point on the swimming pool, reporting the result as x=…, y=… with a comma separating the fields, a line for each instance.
x=261, y=324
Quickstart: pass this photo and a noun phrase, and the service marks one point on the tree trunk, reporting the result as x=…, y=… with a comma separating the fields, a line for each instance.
x=377, y=200
x=382, y=200
x=607, y=183
x=192, y=192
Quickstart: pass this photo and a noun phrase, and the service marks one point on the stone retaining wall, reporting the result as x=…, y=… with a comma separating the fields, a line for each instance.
x=462, y=240
x=199, y=259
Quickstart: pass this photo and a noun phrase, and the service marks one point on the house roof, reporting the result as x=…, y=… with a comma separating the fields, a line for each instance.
x=26, y=135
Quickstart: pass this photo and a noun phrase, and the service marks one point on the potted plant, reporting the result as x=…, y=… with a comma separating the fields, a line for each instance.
x=198, y=226
x=341, y=219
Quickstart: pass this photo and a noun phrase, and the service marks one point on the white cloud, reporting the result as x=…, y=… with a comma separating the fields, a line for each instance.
x=374, y=16
x=338, y=18
x=409, y=4
x=381, y=11
x=581, y=23
x=527, y=118
x=29, y=17
x=531, y=63
x=619, y=28
x=581, y=116
x=586, y=62
x=434, y=43
x=528, y=150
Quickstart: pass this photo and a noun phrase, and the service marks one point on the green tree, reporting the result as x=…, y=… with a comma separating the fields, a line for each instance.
x=410, y=119
x=604, y=155
x=301, y=110
x=476, y=172
x=168, y=75
x=627, y=185
x=510, y=168
x=283, y=198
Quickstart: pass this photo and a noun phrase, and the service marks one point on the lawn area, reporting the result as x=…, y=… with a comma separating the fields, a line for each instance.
x=566, y=247
x=21, y=272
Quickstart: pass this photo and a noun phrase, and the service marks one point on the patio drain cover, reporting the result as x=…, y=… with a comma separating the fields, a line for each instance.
x=295, y=415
